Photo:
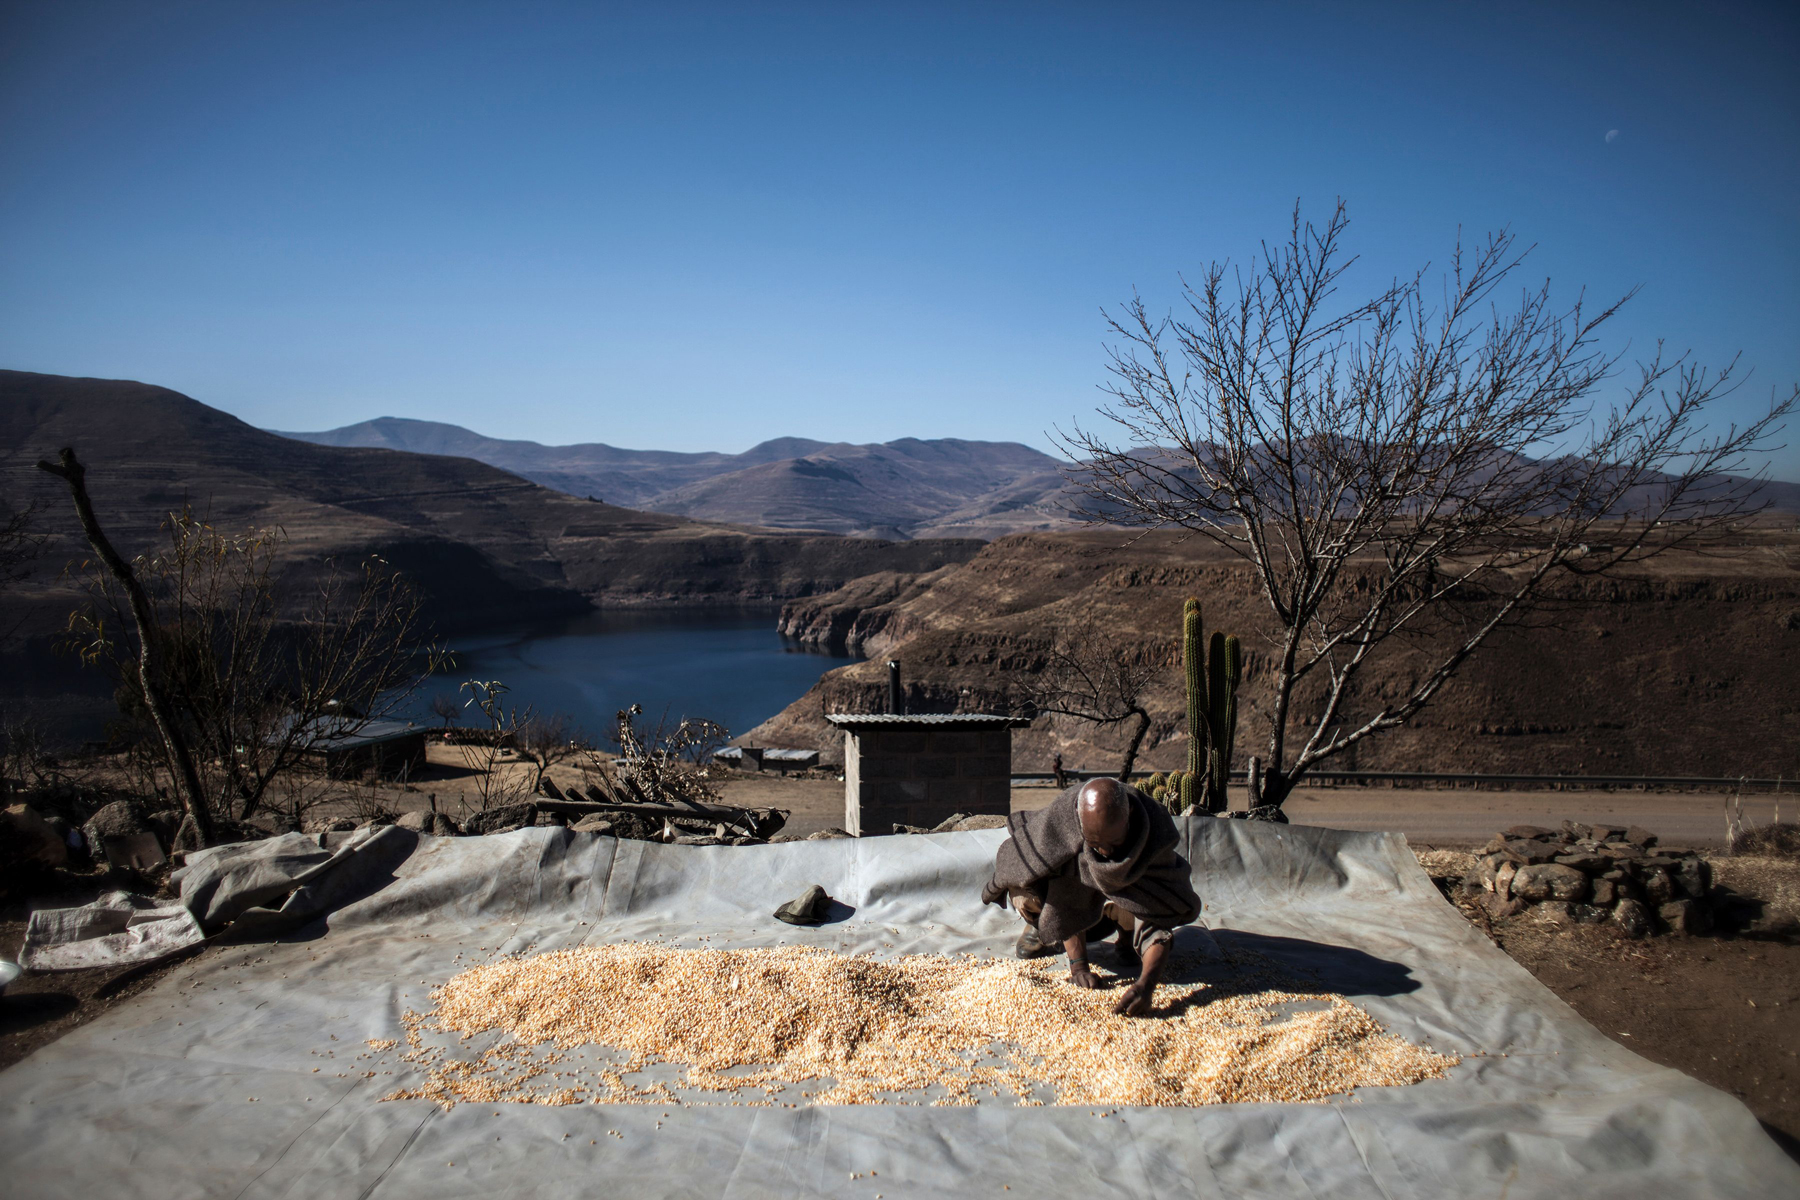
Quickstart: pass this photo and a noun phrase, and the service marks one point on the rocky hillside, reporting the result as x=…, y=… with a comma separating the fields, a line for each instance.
x=1684, y=669
x=909, y=488
x=484, y=546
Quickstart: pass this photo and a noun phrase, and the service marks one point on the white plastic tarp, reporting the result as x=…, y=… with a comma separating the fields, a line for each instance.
x=206, y=1084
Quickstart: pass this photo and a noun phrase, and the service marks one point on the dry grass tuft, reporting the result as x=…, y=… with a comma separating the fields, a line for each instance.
x=1780, y=840
x=858, y=1030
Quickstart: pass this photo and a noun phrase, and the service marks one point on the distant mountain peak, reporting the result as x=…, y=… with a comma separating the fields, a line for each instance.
x=881, y=489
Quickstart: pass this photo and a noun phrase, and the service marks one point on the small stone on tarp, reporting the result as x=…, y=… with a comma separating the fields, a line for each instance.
x=807, y=909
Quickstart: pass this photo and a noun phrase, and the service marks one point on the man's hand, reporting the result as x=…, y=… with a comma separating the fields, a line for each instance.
x=1135, y=1000
x=1082, y=977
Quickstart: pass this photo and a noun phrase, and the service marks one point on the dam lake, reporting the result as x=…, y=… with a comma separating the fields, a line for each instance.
x=726, y=665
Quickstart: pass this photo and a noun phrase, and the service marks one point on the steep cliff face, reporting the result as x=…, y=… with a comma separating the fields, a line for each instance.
x=1684, y=669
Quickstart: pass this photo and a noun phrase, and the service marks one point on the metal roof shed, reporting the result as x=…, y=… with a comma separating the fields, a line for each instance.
x=917, y=770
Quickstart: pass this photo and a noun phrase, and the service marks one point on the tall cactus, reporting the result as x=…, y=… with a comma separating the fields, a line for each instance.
x=1224, y=668
x=1193, y=660
x=1213, y=671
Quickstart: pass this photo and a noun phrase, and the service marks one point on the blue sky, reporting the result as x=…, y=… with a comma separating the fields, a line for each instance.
x=695, y=227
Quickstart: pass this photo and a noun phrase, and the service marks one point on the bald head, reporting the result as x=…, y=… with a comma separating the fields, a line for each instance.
x=1105, y=815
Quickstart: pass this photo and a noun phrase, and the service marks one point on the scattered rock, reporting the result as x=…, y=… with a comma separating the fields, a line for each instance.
x=1550, y=882
x=375, y=821
x=594, y=823
x=1686, y=917
x=786, y=837
x=1503, y=880
x=1576, y=829
x=1639, y=836
x=1621, y=850
x=504, y=819
x=1605, y=891
x=1607, y=833
x=1591, y=914
x=827, y=834
x=1772, y=923
x=329, y=825
x=949, y=823
x=981, y=821
x=694, y=840
x=1632, y=918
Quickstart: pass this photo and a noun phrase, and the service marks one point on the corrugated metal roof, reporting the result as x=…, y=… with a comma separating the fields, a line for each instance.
x=926, y=720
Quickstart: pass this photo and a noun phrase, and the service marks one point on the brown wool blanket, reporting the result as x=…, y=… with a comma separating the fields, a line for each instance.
x=1046, y=854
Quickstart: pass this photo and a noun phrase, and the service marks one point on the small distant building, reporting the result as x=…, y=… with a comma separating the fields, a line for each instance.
x=351, y=748
x=757, y=758
x=918, y=770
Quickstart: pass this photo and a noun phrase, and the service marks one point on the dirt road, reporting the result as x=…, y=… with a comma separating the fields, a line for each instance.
x=1434, y=817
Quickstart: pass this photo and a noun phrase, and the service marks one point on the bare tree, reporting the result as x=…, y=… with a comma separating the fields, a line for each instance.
x=1401, y=466
x=665, y=765
x=444, y=706
x=1098, y=677
x=488, y=752
x=258, y=679
x=545, y=741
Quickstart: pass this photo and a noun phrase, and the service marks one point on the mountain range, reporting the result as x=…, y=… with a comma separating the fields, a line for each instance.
x=909, y=488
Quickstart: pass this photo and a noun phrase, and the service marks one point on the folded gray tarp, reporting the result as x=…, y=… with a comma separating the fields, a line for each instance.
x=205, y=1085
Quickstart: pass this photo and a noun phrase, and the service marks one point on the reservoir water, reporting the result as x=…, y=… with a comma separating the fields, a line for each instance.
x=729, y=666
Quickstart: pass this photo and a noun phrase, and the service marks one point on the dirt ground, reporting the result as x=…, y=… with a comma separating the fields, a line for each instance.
x=1720, y=1009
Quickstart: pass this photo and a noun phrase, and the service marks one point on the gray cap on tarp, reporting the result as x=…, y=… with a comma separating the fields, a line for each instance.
x=807, y=909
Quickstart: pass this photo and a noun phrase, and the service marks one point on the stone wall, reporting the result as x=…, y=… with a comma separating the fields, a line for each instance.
x=921, y=776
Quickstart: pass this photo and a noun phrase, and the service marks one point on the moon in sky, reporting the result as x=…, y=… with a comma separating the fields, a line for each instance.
x=1612, y=135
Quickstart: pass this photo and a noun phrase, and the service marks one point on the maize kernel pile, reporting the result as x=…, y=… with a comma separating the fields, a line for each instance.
x=850, y=1029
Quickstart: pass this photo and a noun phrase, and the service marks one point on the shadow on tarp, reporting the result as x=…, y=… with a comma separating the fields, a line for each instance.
x=373, y=865
x=1234, y=962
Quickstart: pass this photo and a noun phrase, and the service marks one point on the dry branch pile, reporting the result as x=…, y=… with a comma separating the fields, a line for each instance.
x=859, y=1030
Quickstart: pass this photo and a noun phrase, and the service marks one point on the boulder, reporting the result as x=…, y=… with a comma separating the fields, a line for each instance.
x=1607, y=833
x=595, y=823
x=1526, y=831
x=1605, y=891
x=1499, y=908
x=981, y=821
x=1659, y=888
x=1550, y=882
x=1686, y=917
x=1555, y=913
x=31, y=837
x=827, y=834
x=425, y=821
x=1640, y=837
x=1694, y=877
x=949, y=823
x=1632, y=918
x=1503, y=879
x=1621, y=850
x=1529, y=851
x=122, y=834
x=1591, y=914
x=1587, y=864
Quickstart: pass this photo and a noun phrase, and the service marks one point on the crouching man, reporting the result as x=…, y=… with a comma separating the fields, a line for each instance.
x=1100, y=857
